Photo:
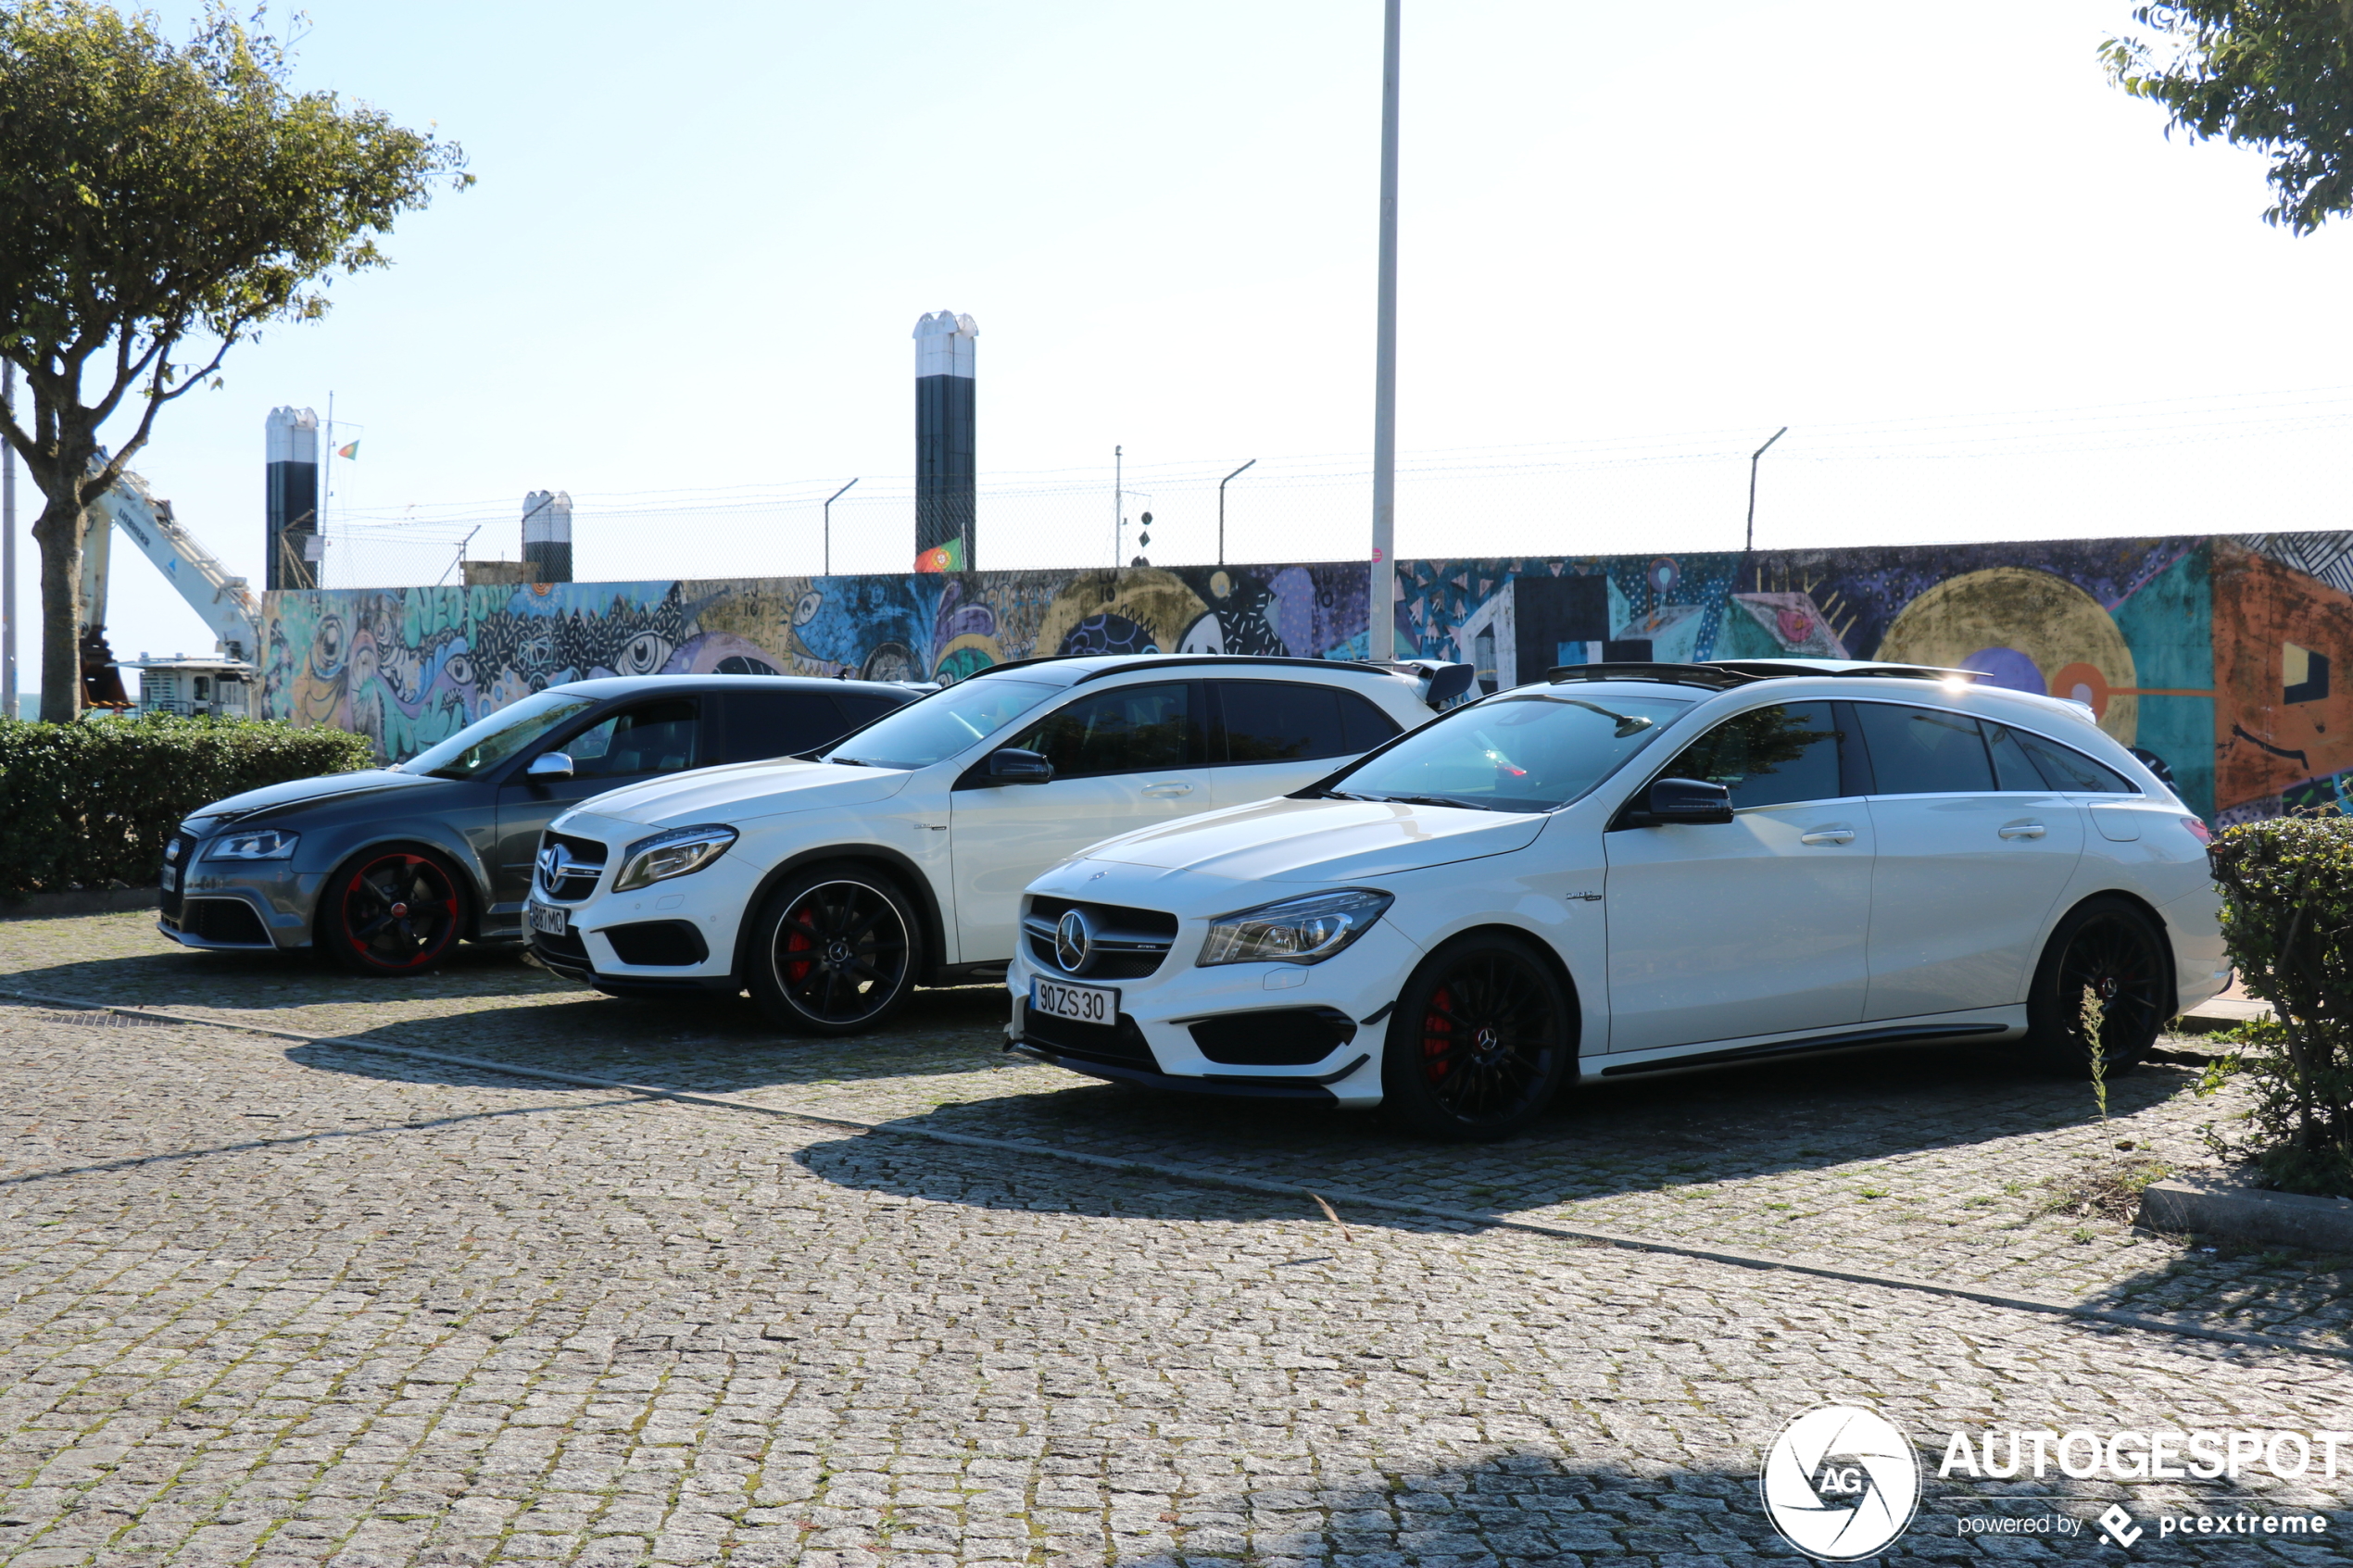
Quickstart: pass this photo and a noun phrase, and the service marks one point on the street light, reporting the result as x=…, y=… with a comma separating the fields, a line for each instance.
x=829, y=525
x=1753, y=457
x=1221, y=509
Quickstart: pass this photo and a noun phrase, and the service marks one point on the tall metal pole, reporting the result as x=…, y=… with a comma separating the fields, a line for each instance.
x=8, y=550
x=1221, y=508
x=1381, y=618
x=1118, y=508
x=829, y=525
x=1754, y=458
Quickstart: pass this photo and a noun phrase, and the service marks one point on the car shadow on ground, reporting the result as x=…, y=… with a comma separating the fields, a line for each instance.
x=1723, y=1125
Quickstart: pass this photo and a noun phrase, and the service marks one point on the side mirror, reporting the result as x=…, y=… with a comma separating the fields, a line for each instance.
x=1688, y=800
x=1014, y=765
x=549, y=765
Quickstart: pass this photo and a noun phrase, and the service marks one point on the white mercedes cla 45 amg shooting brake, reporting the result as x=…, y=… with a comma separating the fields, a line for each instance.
x=1633, y=868
x=830, y=887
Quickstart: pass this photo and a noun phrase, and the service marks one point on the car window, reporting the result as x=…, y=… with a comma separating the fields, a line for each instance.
x=491, y=740
x=932, y=728
x=2069, y=770
x=1284, y=722
x=1923, y=750
x=652, y=737
x=1527, y=752
x=1362, y=722
x=2013, y=769
x=771, y=723
x=1768, y=756
x=1128, y=729
x=864, y=707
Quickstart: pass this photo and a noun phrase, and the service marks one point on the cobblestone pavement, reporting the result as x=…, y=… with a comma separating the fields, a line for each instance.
x=1948, y=1162
x=301, y=1305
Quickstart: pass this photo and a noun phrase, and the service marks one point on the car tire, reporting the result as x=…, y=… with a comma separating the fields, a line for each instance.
x=1483, y=1038
x=2112, y=948
x=392, y=910
x=835, y=950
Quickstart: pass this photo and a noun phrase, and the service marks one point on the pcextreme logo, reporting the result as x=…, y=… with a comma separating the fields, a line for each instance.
x=1840, y=1482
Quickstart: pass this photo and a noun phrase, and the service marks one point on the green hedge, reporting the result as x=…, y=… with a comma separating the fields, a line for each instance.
x=90, y=804
x=2287, y=919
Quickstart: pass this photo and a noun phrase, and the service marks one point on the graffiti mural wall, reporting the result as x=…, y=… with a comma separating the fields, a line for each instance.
x=2218, y=653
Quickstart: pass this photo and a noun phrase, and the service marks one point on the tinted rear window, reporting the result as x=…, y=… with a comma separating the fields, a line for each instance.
x=1924, y=750
x=765, y=724
x=1292, y=721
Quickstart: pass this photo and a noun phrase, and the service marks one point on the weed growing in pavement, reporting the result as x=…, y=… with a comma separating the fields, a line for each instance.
x=2110, y=1191
x=2094, y=1017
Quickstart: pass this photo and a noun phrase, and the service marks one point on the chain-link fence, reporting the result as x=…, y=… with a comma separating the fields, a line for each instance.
x=2244, y=464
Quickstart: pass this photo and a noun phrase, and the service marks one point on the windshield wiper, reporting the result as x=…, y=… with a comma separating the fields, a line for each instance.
x=1426, y=800
x=847, y=761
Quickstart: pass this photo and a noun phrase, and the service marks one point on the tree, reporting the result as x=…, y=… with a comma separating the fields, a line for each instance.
x=158, y=204
x=2271, y=74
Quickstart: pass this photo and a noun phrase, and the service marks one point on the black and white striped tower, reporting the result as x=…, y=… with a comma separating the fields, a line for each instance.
x=546, y=535
x=944, y=439
x=290, y=500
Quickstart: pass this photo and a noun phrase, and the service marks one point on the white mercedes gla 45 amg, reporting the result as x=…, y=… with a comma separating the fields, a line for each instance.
x=1629, y=868
x=896, y=857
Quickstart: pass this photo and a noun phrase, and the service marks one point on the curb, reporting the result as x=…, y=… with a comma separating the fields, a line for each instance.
x=1194, y=1176
x=81, y=901
x=2230, y=1211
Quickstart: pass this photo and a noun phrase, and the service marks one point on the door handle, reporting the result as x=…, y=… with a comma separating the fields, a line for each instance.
x=2024, y=829
x=1164, y=791
x=1828, y=836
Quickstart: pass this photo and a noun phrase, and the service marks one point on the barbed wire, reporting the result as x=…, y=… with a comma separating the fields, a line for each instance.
x=2122, y=469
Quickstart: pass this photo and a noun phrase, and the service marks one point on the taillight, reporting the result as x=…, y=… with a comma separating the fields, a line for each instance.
x=2198, y=830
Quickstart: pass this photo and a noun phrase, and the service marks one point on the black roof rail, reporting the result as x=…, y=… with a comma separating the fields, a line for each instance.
x=1722, y=677
x=1773, y=669
x=1164, y=660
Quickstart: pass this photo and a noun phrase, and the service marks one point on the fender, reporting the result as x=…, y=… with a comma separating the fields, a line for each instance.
x=910, y=879
x=456, y=848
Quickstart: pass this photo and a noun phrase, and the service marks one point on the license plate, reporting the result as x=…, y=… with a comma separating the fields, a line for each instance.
x=1080, y=1004
x=171, y=878
x=547, y=920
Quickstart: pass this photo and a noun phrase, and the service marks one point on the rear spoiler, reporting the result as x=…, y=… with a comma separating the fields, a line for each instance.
x=1441, y=684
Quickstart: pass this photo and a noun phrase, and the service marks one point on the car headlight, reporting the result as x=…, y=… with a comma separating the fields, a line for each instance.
x=1306, y=930
x=256, y=844
x=675, y=853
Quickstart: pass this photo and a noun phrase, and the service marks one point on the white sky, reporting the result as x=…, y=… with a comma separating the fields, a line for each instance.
x=701, y=238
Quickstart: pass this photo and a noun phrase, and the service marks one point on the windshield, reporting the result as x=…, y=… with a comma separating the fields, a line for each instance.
x=490, y=741
x=1529, y=751
x=942, y=724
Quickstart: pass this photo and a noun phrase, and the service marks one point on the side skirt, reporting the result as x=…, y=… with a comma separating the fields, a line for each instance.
x=1980, y=1028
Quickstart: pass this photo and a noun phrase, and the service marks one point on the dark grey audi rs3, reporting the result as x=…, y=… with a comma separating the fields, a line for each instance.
x=386, y=869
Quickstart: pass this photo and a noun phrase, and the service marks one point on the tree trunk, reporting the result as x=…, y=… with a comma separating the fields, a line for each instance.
x=59, y=534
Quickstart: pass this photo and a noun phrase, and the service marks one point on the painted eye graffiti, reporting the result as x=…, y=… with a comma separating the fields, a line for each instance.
x=806, y=610
x=644, y=655
x=326, y=648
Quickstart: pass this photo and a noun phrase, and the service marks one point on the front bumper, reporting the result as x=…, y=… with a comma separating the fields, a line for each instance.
x=1171, y=1018
x=238, y=906
x=699, y=915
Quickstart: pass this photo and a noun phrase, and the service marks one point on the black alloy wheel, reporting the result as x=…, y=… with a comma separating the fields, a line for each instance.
x=391, y=911
x=1479, y=1043
x=835, y=953
x=2112, y=951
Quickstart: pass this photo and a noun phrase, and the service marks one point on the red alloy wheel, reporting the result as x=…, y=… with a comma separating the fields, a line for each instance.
x=398, y=912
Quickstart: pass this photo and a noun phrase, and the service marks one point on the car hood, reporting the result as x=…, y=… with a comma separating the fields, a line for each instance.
x=1321, y=840
x=742, y=791
x=279, y=799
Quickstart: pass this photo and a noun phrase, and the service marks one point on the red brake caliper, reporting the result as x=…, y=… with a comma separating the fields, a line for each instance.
x=1438, y=1035
x=797, y=941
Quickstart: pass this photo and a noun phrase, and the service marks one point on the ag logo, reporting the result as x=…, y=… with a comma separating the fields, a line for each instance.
x=1840, y=1482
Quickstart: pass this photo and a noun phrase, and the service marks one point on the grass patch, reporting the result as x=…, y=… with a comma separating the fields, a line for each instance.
x=2109, y=1190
